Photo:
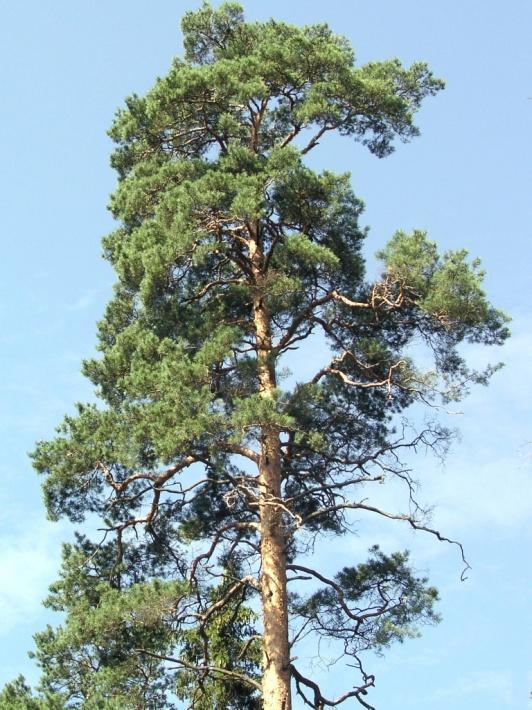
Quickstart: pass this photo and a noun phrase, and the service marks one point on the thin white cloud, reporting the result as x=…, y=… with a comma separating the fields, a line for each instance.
x=29, y=562
x=479, y=495
x=498, y=685
x=84, y=301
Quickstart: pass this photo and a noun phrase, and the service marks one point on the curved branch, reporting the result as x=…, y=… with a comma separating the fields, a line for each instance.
x=320, y=701
x=331, y=583
x=218, y=537
x=392, y=516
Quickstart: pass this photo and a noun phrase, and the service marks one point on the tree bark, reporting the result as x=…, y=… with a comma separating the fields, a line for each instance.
x=276, y=651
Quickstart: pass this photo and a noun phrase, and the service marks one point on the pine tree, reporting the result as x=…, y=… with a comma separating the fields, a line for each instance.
x=213, y=477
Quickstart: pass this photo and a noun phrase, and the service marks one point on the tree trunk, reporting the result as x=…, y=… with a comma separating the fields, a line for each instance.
x=276, y=651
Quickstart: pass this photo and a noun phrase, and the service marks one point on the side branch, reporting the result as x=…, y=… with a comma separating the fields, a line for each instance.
x=393, y=516
x=240, y=451
x=387, y=381
x=348, y=302
x=313, y=142
x=249, y=580
x=218, y=537
x=157, y=479
x=320, y=701
x=184, y=665
x=331, y=583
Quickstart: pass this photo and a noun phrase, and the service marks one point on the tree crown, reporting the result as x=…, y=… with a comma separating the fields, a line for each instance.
x=231, y=252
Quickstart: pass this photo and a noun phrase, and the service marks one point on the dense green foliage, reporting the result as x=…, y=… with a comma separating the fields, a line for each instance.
x=211, y=167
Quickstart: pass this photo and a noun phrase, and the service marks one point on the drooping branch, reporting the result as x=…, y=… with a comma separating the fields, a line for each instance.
x=391, y=516
x=319, y=702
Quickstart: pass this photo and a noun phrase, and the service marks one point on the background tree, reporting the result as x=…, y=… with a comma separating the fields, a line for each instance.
x=231, y=253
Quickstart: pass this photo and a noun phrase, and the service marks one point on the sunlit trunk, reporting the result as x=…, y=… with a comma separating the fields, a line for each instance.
x=276, y=652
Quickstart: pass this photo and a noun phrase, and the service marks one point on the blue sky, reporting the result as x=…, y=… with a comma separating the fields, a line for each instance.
x=65, y=66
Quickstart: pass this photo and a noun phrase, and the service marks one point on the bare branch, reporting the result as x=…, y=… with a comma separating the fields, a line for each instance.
x=331, y=583
x=320, y=701
x=392, y=516
x=313, y=142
